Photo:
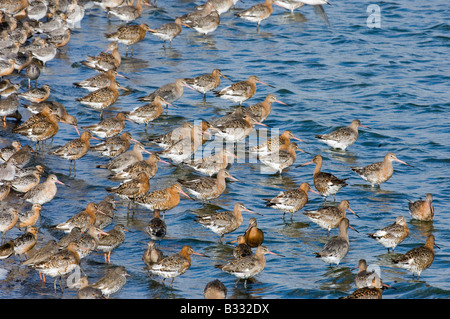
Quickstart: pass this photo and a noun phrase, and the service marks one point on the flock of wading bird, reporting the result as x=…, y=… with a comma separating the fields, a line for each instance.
x=33, y=31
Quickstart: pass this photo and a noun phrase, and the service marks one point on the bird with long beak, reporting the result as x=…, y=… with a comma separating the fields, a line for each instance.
x=206, y=188
x=162, y=199
x=171, y=92
x=226, y=222
x=83, y=219
x=283, y=158
x=168, y=31
x=99, y=81
x=241, y=91
x=329, y=217
x=291, y=200
x=105, y=61
x=379, y=172
x=342, y=137
x=109, y=127
x=326, y=183
x=337, y=247
x=174, y=265
x=249, y=266
x=148, y=112
x=257, y=12
x=236, y=128
x=212, y=164
x=274, y=143
x=206, y=82
x=75, y=149
x=419, y=258
x=261, y=110
x=43, y=192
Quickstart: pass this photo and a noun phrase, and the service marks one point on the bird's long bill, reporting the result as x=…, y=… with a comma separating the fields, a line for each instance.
x=198, y=254
x=400, y=161
x=386, y=286
x=99, y=211
x=353, y=212
x=310, y=162
x=233, y=178
x=226, y=77
x=298, y=139
x=190, y=87
x=96, y=138
x=167, y=103
x=148, y=152
x=353, y=228
x=365, y=126
x=186, y=25
x=76, y=129
x=437, y=246
x=182, y=192
x=262, y=124
x=252, y=211
x=312, y=190
x=266, y=84
x=299, y=149
x=59, y=182
x=121, y=76
x=278, y=101
x=163, y=161
x=272, y=253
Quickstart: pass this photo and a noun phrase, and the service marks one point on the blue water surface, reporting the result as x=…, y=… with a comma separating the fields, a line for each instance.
x=394, y=77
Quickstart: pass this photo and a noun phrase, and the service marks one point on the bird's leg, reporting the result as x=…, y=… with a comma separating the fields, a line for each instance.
x=54, y=284
x=70, y=167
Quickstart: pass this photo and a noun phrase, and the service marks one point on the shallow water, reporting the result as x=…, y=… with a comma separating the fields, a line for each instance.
x=394, y=78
